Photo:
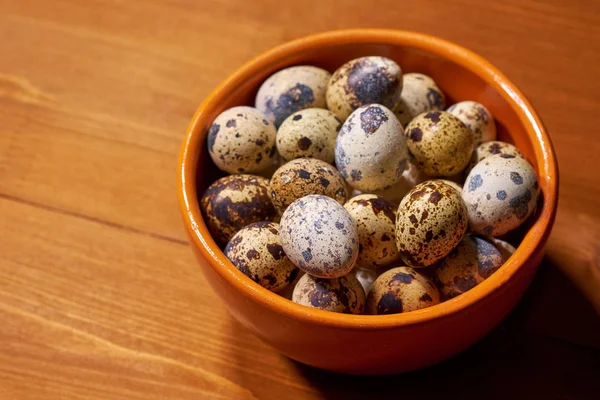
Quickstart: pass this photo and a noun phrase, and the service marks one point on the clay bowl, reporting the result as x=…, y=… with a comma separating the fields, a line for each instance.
x=365, y=344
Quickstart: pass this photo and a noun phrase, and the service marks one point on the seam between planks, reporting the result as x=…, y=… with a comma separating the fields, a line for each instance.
x=93, y=219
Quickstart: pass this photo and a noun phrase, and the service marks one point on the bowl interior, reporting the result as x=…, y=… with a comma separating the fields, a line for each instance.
x=461, y=75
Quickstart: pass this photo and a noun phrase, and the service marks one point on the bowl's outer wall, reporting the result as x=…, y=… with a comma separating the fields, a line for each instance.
x=372, y=350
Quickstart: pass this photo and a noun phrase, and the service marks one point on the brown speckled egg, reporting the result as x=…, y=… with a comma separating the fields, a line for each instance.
x=370, y=151
x=420, y=93
x=233, y=202
x=505, y=248
x=431, y=220
x=469, y=264
x=256, y=251
x=489, y=149
x=304, y=176
x=309, y=133
x=455, y=185
x=375, y=219
x=319, y=236
x=411, y=177
x=342, y=295
x=441, y=144
x=241, y=140
x=364, y=81
x=399, y=290
x=500, y=192
x=477, y=119
x=290, y=90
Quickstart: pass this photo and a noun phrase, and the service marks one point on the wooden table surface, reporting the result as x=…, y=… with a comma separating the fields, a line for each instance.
x=100, y=297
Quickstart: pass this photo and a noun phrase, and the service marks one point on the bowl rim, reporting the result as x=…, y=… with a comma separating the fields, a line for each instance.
x=532, y=243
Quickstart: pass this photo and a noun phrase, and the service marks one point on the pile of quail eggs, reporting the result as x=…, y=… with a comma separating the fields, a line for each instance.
x=355, y=192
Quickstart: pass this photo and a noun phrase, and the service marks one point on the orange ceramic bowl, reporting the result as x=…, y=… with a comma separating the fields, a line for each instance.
x=364, y=344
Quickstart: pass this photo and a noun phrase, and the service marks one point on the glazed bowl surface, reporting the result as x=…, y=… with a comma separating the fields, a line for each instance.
x=364, y=344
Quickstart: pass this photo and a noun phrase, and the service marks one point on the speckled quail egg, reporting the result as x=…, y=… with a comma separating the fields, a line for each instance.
x=304, y=176
x=411, y=177
x=430, y=221
x=241, y=140
x=469, y=264
x=500, y=192
x=290, y=90
x=420, y=93
x=489, y=149
x=319, y=236
x=477, y=119
x=440, y=143
x=256, y=251
x=505, y=248
x=342, y=295
x=308, y=133
x=235, y=201
x=375, y=219
x=366, y=276
x=399, y=290
x=363, y=81
x=370, y=151
x=455, y=185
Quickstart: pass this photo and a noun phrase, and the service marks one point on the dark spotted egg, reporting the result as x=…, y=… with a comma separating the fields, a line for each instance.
x=308, y=133
x=420, y=93
x=400, y=290
x=505, y=248
x=364, y=81
x=431, y=220
x=233, y=202
x=500, y=192
x=370, y=151
x=290, y=90
x=375, y=219
x=470, y=263
x=256, y=251
x=487, y=149
x=304, y=176
x=440, y=143
x=319, y=236
x=477, y=119
x=343, y=295
x=241, y=140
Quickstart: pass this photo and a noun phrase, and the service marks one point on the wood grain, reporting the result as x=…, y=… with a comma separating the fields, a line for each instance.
x=100, y=297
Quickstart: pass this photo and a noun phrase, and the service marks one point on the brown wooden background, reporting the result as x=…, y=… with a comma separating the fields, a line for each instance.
x=100, y=297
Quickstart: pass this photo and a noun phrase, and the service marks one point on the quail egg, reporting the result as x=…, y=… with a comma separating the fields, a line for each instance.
x=363, y=81
x=441, y=144
x=477, y=119
x=505, y=248
x=309, y=133
x=375, y=218
x=455, y=185
x=366, y=276
x=489, y=149
x=431, y=220
x=420, y=93
x=370, y=151
x=319, y=236
x=304, y=176
x=290, y=90
x=342, y=295
x=233, y=202
x=399, y=290
x=500, y=193
x=241, y=140
x=469, y=264
x=256, y=251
